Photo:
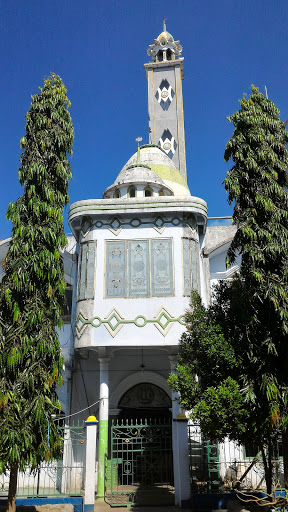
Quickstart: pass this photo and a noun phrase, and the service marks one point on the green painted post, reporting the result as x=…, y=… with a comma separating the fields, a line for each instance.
x=102, y=453
x=103, y=425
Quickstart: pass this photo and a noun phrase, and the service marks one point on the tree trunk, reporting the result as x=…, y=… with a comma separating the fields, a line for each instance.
x=11, y=505
x=285, y=456
x=268, y=469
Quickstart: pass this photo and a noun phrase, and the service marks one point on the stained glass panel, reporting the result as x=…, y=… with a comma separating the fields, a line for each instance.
x=115, y=269
x=86, y=281
x=161, y=268
x=190, y=251
x=139, y=285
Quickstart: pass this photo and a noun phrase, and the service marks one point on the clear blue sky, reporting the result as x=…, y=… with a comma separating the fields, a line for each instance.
x=99, y=48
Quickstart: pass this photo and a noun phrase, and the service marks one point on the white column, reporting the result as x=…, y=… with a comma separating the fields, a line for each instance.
x=180, y=447
x=91, y=436
x=103, y=424
x=182, y=462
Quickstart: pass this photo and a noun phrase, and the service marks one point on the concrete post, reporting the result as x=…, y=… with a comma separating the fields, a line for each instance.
x=103, y=424
x=91, y=436
x=180, y=447
x=182, y=462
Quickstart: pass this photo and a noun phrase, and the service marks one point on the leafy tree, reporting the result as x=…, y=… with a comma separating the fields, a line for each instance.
x=257, y=183
x=248, y=315
x=216, y=380
x=32, y=289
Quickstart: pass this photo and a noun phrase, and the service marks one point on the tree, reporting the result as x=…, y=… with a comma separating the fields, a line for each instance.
x=251, y=312
x=216, y=380
x=33, y=289
x=257, y=183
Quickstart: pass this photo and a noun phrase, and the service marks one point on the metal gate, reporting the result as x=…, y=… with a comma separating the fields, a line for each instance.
x=140, y=469
x=63, y=477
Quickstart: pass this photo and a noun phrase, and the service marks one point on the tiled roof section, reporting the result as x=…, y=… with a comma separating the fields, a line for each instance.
x=216, y=236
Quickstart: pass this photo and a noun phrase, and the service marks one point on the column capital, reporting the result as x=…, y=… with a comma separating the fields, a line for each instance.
x=104, y=360
x=174, y=358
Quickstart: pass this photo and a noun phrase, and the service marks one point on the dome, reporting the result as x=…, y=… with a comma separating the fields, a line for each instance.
x=161, y=165
x=166, y=36
x=138, y=174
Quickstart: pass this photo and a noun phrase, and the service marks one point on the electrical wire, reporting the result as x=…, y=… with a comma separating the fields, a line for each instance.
x=78, y=412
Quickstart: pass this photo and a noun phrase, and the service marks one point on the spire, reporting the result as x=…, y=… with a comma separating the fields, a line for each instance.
x=165, y=100
x=164, y=46
x=138, y=140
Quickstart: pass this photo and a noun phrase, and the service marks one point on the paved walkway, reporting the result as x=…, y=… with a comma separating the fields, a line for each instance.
x=104, y=507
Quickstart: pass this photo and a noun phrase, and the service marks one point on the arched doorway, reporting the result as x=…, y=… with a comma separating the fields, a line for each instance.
x=145, y=401
x=141, y=448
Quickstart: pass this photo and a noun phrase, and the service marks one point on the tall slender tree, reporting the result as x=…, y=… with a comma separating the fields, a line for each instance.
x=257, y=184
x=250, y=314
x=33, y=289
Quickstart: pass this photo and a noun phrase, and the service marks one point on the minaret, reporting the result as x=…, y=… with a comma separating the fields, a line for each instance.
x=165, y=99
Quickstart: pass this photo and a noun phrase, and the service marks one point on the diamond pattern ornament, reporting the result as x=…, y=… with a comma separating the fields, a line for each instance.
x=163, y=321
x=164, y=94
x=168, y=143
x=81, y=324
x=113, y=322
x=159, y=224
x=115, y=226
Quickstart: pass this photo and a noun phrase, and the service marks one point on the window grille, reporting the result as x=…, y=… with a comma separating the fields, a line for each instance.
x=86, y=279
x=139, y=268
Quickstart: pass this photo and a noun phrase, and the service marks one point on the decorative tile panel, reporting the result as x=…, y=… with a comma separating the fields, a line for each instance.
x=190, y=252
x=115, y=269
x=168, y=143
x=186, y=266
x=86, y=282
x=114, y=321
x=131, y=265
x=159, y=223
x=161, y=268
x=139, y=285
x=164, y=94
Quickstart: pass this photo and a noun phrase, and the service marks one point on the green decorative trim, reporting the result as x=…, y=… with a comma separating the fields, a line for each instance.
x=163, y=171
x=151, y=146
x=165, y=201
x=159, y=223
x=124, y=204
x=102, y=453
x=138, y=165
x=114, y=321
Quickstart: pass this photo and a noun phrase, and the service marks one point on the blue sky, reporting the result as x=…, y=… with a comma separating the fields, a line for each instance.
x=99, y=48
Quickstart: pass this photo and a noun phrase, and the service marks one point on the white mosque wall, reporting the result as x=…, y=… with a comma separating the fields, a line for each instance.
x=128, y=309
x=124, y=364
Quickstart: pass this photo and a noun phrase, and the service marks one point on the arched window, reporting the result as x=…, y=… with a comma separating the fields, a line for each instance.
x=116, y=194
x=131, y=192
x=160, y=56
x=160, y=193
x=148, y=192
x=169, y=54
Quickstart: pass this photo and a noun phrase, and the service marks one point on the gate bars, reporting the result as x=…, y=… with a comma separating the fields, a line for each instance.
x=216, y=466
x=63, y=477
x=140, y=469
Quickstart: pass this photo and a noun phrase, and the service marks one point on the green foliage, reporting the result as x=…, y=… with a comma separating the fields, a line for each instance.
x=207, y=376
x=257, y=183
x=244, y=333
x=32, y=289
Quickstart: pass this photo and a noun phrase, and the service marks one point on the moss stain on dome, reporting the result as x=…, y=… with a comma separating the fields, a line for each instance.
x=168, y=173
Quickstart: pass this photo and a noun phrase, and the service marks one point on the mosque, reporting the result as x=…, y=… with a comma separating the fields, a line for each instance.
x=130, y=266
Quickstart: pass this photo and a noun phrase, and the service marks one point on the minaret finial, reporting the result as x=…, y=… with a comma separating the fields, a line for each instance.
x=138, y=140
x=164, y=24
